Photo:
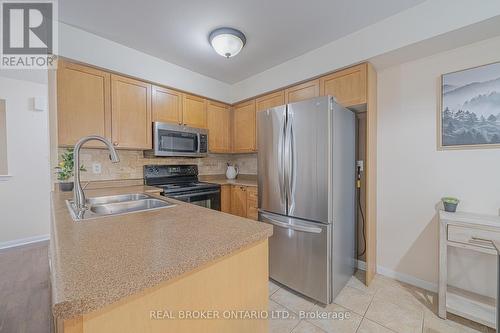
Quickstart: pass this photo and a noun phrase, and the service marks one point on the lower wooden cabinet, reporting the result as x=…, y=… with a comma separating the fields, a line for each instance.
x=225, y=198
x=252, y=203
x=244, y=201
x=239, y=200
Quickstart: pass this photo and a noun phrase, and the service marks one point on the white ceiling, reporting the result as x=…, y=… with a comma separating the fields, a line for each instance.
x=177, y=31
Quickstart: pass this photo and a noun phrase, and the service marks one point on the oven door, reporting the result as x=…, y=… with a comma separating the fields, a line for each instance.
x=174, y=140
x=208, y=199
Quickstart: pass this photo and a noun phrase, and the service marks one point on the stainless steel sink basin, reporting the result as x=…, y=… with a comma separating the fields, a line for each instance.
x=128, y=206
x=117, y=205
x=116, y=198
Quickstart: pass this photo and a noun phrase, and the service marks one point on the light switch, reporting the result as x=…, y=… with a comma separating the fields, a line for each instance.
x=360, y=165
x=96, y=168
x=40, y=103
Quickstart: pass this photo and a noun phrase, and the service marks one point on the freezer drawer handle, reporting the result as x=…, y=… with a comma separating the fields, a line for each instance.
x=292, y=226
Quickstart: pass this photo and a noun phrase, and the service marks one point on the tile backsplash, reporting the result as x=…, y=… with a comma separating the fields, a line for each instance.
x=131, y=163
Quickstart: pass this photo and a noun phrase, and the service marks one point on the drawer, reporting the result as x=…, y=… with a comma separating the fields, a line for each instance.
x=473, y=236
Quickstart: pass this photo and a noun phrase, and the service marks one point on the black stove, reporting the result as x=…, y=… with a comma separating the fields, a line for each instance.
x=181, y=182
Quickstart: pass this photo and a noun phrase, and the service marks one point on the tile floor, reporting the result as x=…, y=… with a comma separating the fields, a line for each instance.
x=387, y=306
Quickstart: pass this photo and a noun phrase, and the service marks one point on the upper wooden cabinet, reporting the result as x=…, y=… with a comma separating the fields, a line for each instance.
x=244, y=127
x=167, y=105
x=302, y=91
x=194, y=111
x=270, y=100
x=219, y=127
x=83, y=103
x=131, y=113
x=348, y=86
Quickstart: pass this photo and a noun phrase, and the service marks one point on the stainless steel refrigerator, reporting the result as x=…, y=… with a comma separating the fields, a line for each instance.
x=306, y=168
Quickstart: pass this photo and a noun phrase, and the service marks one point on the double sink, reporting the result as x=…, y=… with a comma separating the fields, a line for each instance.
x=117, y=205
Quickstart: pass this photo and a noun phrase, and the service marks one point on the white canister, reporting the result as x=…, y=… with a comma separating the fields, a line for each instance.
x=231, y=172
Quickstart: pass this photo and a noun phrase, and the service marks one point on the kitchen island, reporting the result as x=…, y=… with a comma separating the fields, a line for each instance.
x=157, y=271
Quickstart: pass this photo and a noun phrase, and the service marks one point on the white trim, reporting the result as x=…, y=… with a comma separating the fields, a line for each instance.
x=23, y=241
x=402, y=277
x=5, y=177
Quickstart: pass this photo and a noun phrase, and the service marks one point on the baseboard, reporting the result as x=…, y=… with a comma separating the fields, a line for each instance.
x=411, y=280
x=23, y=241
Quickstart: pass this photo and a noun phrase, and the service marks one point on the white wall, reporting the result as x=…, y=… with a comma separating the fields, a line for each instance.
x=25, y=195
x=395, y=32
x=413, y=175
x=4, y=167
x=424, y=21
x=83, y=46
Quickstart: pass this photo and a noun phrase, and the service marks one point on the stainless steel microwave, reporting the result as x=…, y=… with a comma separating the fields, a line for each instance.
x=175, y=140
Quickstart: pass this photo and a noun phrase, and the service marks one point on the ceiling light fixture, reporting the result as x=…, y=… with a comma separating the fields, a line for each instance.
x=227, y=42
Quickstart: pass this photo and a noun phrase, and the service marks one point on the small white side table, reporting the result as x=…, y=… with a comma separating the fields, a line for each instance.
x=473, y=232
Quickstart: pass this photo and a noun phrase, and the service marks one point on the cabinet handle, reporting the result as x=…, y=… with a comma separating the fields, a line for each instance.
x=115, y=143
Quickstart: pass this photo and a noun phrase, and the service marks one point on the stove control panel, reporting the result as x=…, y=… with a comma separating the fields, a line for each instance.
x=162, y=171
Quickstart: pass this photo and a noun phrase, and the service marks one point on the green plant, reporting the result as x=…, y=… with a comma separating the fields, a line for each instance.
x=65, y=167
x=450, y=200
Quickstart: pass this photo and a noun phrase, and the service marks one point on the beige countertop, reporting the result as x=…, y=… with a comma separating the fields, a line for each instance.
x=244, y=180
x=98, y=262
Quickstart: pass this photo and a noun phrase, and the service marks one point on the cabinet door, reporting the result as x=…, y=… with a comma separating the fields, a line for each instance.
x=167, y=105
x=348, y=86
x=252, y=203
x=302, y=91
x=83, y=103
x=244, y=127
x=225, y=198
x=219, y=127
x=131, y=113
x=270, y=100
x=239, y=200
x=194, y=112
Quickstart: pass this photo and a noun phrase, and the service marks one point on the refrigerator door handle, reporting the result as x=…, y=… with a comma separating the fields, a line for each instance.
x=281, y=152
x=293, y=161
x=289, y=164
x=295, y=227
x=286, y=164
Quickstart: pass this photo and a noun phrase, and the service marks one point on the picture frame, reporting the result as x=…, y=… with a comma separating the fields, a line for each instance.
x=468, y=114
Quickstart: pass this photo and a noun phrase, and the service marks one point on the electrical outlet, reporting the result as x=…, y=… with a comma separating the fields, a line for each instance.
x=360, y=165
x=96, y=168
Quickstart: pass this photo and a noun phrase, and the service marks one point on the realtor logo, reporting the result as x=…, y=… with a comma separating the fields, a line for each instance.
x=28, y=34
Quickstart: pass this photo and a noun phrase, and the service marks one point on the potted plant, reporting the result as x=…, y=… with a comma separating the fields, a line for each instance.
x=65, y=171
x=450, y=204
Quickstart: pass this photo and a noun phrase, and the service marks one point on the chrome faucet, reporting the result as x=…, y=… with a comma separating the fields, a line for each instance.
x=78, y=194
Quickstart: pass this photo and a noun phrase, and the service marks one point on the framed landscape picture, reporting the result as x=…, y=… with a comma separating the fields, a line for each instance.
x=469, y=116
